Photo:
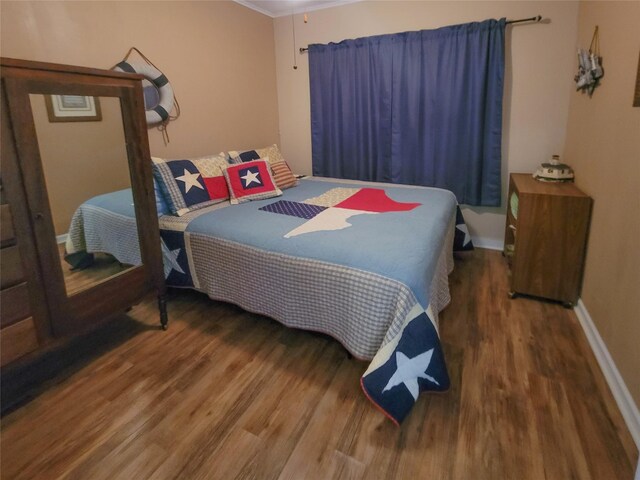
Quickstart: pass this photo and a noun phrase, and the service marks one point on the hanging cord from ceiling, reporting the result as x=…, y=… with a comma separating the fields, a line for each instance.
x=293, y=30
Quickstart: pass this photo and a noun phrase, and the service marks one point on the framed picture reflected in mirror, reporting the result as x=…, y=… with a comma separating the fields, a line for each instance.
x=73, y=108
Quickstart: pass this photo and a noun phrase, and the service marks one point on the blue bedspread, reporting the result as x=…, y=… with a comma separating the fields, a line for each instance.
x=354, y=260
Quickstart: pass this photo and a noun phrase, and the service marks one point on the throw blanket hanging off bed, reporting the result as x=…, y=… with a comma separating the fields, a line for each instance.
x=420, y=108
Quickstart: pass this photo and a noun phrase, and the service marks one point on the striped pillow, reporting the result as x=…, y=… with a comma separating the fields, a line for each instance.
x=283, y=175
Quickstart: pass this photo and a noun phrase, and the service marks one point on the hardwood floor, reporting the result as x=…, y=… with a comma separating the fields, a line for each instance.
x=229, y=394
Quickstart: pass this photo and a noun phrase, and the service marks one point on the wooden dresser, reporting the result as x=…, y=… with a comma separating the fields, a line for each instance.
x=39, y=307
x=18, y=334
x=545, y=238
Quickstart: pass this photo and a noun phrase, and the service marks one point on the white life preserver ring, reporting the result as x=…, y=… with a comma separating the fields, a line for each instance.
x=156, y=113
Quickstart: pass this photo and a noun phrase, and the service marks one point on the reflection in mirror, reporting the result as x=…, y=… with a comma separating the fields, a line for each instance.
x=84, y=156
x=151, y=95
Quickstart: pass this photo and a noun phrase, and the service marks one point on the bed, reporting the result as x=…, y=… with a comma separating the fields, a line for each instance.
x=366, y=263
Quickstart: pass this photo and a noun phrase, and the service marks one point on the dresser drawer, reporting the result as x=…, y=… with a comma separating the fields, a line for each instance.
x=11, y=272
x=14, y=304
x=17, y=340
x=7, y=235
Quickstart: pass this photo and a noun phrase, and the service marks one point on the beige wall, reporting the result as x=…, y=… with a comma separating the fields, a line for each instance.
x=539, y=71
x=603, y=145
x=218, y=55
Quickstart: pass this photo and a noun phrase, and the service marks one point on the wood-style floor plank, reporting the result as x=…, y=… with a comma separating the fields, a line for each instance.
x=229, y=394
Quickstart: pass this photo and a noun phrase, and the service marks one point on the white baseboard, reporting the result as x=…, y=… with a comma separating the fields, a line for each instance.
x=488, y=243
x=62, y=238
x=619, y=389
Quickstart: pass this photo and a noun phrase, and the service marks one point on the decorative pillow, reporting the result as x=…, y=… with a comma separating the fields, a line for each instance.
x=283, y=175
x=250, y=181
x=161, y=205
x=191, y=184
x=272, y=152
x=240, y=157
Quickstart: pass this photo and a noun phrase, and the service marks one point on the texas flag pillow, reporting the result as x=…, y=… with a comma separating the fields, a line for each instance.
x=282, y=174
x=190, y=184
x=250, y=181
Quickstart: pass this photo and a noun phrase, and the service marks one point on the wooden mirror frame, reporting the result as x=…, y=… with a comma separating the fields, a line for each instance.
x=69, y=315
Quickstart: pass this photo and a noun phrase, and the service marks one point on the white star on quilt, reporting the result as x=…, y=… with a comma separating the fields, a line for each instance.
x=250, y=177
x=171, y=257
x=463, y=228
x=409, y=370
x=190, y=180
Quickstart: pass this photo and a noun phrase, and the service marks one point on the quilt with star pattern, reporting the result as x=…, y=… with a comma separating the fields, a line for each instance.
x=365, y=263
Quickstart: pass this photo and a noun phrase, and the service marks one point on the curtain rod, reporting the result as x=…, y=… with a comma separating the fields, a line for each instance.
x=536, y=19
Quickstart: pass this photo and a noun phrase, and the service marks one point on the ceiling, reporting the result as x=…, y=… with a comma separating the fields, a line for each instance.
x=280, y=8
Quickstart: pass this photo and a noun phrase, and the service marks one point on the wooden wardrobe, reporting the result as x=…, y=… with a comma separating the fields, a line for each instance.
x=49, y=166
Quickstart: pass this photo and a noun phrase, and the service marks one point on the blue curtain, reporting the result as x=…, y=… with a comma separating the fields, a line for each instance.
x=421, y=108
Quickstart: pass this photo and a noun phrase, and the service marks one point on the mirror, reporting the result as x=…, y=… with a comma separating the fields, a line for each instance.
x=84, y=158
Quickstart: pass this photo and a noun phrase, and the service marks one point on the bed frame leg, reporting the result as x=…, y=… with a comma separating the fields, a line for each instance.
x=164, y=318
